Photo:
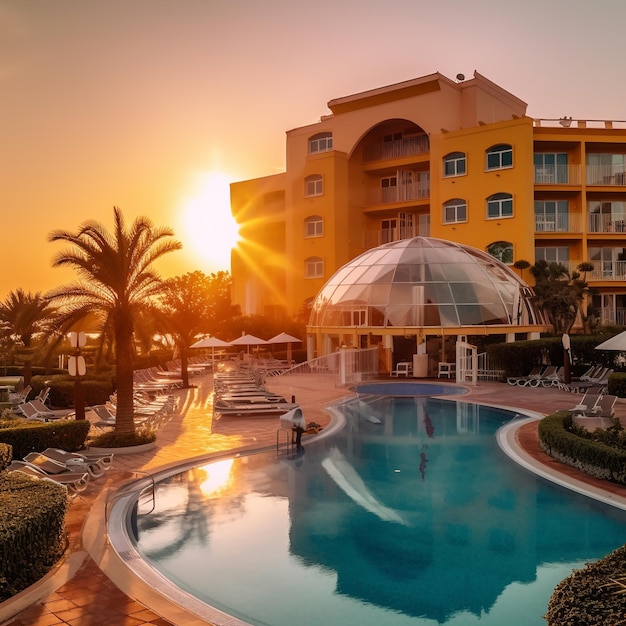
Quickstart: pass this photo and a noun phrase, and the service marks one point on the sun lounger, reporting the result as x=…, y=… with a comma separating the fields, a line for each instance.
x=605, y=407
x=105, y=461
x=534, y=374
x=31, y=412
x=72, y=461
x=73, y=481
x=587, y=404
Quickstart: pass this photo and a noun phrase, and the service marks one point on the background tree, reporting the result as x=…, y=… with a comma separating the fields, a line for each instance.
x=190, y=306
x=25, y=315
x=521, y=265
x=116, y=281
x=558, y=294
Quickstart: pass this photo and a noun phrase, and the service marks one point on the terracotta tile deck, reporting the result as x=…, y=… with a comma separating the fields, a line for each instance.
x=80, y=591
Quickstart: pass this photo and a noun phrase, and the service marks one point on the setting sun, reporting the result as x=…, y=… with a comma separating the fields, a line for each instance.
x=209, y=228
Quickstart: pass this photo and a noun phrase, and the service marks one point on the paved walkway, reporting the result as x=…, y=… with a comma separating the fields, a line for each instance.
x=91, y=587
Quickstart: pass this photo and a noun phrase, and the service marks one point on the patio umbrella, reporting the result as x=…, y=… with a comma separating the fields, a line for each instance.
x=248, y=340
x=285, y=338
x=617, y=343
x=210, y=342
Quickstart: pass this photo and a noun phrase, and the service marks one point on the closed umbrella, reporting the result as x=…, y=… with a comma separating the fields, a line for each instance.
x=211, y=342
x=285, y=338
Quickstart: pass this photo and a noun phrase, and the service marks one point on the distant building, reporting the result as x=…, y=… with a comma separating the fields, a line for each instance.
x=454, y=160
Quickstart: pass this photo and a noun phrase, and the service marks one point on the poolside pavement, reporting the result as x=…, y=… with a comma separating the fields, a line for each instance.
x=91, y=586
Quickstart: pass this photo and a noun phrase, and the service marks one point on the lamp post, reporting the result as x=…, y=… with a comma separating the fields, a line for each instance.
x=76, y=367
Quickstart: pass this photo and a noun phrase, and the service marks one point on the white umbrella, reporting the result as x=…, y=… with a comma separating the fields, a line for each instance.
x=210, y=342
x=618, y=343
x=248, y=340
x=285, y=338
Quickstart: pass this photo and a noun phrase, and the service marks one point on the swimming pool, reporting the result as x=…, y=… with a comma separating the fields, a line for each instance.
x=408, y=515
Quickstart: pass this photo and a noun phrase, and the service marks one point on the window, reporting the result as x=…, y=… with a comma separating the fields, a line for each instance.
x=499, y=205
x=454, y=211
x=313, y=267
x=323, y=142
x=313, y=186
x=501, y=250
x=499, y=157
x=550, y=167
x=313, y=226
x=551, y=216
x=454, y=164
x=389, y=187
x=558, y=254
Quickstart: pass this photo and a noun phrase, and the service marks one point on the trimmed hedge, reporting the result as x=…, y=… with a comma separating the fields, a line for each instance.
x=25, y=437
x=592, y=457
x=6, y=455
x=97, y=389
x=32, y=537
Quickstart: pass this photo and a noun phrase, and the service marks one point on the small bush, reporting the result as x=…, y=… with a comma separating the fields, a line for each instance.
x=32, y=537
x=113, y=440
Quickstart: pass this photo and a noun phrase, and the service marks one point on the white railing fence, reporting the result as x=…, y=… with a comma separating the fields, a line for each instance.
x=347, y=365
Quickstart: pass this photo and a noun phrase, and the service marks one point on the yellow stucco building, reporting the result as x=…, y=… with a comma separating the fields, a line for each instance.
x=457, y=160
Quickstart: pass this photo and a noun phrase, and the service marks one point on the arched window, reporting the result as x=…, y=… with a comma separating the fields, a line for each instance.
x=499, y=157
x=454, y=164
x=313, y=186
x=501, y=250
x=313, y=267
x=322, y=142
x=314, y=226
x=499, y=205
x=454, y=211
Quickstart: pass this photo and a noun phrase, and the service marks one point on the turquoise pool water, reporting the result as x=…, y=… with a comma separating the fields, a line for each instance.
x=409, y=515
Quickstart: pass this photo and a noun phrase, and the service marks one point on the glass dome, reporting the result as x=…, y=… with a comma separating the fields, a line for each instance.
x=424, y=282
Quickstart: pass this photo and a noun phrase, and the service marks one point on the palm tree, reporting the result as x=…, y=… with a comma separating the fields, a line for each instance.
x=116, y=280
x=24, y=315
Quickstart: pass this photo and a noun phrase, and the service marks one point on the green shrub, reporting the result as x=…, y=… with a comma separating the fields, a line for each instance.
x=32, y=537
x=588, y=597
x=617, y=384
x=559, y=439
x=6, y=455
x=25, y=437
x=97, y=389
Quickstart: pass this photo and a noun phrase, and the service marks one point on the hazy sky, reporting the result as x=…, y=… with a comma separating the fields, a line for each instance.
x=134, y=103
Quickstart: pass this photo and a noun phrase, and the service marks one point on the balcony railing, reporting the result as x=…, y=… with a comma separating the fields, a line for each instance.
x=608, y=270
x=557, y=174
x=610, y=175
x=409, y=146
x=615, y=317
x=400, y=193
x=606, y=223
x=558, y=223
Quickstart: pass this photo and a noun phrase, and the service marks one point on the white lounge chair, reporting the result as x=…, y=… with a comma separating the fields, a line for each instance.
x=73, y=481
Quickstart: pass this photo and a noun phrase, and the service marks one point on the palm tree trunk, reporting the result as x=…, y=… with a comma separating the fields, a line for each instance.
x=124, y=415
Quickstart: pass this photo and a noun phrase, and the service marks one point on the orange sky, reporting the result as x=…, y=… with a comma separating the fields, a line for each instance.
x=134, y=103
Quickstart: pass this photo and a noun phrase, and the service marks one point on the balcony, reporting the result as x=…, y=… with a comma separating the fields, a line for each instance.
x=408, y=146
x=608, y=270
x=557, y=175
x=606, y=223
x=399, y=193
x=374, y=238
x=606, y=175
x=568, y=223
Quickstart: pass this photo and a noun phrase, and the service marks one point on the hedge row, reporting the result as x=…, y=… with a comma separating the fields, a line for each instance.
x=25, y=437
x=592, y=457
x=32, y=537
